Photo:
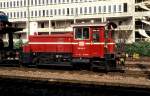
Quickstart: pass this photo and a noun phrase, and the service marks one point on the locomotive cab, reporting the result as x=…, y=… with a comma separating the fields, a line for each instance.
x=93, y=45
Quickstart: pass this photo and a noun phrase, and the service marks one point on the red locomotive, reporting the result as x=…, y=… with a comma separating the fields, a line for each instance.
x=89, y=44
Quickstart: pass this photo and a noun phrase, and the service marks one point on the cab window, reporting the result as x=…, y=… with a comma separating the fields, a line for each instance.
x=95, y=35
x=81, y=33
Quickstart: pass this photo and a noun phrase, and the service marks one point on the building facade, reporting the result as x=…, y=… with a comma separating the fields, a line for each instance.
x=56, y=16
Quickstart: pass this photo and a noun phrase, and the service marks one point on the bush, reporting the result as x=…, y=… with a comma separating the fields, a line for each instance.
x=142, y=48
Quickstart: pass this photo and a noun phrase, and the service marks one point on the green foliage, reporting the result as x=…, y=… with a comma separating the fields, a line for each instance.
x=18, y=44
x=142, y=48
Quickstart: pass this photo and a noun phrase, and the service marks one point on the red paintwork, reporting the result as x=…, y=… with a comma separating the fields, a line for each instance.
x=65, y=43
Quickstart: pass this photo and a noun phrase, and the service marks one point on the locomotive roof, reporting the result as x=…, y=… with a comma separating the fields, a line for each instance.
x=88, y=24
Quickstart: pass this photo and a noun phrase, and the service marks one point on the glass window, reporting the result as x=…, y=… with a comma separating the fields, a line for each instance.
x=55, y=12
x=109, y=8
x=47, y=12
x=90, y=10
x=43, y=12
x=114, y=8
x=17, y=14
x=39, y=2
x=80, y=10
x=51, y=12
x=78, y=33
x=64, y=11
x=81, y=33
x=35, y=2
x=85, y=10
x=14, y=4
x=72, y=11
x=76, y=11
x=104, y=10
x=17, y=3
x=21, y=3
x=68, y=11
x=59, y=11
x=95, y=35
x=21, y=14
x=35, y=13
x=99, y=9
x=95, y=9
x=31, y=2
x=51, y=1
x=119, y=8
x=31, y=13
x=25, y=14
x=7, y=4
x=39, y=12
x=14, y=14
x=24, y=2
x=10, y=4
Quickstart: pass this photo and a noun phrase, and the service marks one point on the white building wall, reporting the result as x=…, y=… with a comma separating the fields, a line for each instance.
x=64, y=12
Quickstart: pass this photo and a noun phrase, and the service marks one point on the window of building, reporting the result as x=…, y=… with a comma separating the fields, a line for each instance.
x=76, y=11
x=35, y=2
x=42, y=25
x=99, y=9
x=25, y=3
x=7, y=4
x=40, y=13
x=51, y=12
x=31, y=2
x=114, y=8
x=47, y=12
x=119, y=9
x=109, y=8
x=39, y=2
x=59, y=11
x=35, y=13
x=67, y=1
x=4, y=4
x=104, y=9
x=10, y=14
x=68, y=12
x=81, y=10
x=63, y=1
x=14, y=14
x=59, y=1
x=55, y=12
x=71, y=1
x=95, y=9
x=17, y=3
x=31, y=13
x=46, y=2
x=25, y=15
x=63, y=11
x=55, y=1
x=44, y=13
x=0, y=4
x=10, y=4
x=85, y=10
x=14, y=4
x=125, y=7
x=17, y=14
x=90, y=10
x=72, y=11
x=21, y=15
x=43, y=2
x=51, y=2
x=21, y=3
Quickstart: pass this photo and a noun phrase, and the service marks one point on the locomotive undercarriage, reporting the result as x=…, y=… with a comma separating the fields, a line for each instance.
x=65, y=59
x=55, y=59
